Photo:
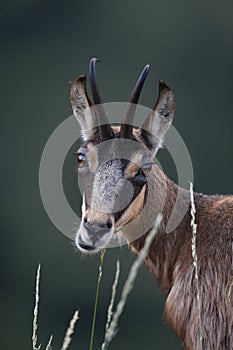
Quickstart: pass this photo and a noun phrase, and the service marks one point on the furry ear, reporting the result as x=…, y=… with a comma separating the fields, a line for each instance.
x=82, y=110
x=157, y=123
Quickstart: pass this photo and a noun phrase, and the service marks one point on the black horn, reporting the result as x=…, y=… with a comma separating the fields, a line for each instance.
x=127, y=125
x=105, y=131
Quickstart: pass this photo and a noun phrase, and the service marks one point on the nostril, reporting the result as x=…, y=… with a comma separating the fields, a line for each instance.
x=109, y=224
x=95, y=231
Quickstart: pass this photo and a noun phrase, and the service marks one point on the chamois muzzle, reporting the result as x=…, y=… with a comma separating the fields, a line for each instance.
x=91, y=238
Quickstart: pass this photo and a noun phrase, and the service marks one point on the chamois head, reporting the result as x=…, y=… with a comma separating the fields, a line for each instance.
x=115, y=162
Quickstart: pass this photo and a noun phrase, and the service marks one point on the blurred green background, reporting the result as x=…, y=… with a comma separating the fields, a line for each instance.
x=44, y=46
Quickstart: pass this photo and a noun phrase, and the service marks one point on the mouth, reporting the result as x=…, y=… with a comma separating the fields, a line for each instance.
x=92, y=239
x=85, y=247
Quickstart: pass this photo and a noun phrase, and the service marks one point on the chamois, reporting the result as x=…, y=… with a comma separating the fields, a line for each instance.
x=108, y=177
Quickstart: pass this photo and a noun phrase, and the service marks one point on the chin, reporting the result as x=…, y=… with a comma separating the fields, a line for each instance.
x=88, y=247
x=84, y=247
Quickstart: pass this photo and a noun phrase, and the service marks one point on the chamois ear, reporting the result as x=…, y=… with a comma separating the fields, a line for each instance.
x=158, y=122
x=81, y=105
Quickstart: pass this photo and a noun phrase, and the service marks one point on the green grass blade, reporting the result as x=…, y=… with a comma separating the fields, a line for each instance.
x=96, y=299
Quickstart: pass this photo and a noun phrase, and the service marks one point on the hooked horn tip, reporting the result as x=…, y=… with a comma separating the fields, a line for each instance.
x=145, y=71
x=94, y=60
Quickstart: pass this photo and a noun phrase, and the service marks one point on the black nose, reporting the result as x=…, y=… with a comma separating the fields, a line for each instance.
x=95, y=232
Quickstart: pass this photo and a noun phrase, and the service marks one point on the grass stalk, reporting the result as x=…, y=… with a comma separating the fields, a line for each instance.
x=96, y=299
x=194, y=255
x=129, y=283
x=36, y=312
x=49, y=345
x=70, y=331
x=230, y=292
x=110, y=308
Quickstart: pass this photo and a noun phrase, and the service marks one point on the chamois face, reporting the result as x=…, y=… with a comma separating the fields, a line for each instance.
x=115, y=163
x=112, y=184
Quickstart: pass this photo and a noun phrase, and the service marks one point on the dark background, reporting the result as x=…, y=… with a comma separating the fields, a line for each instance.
x=44, y=46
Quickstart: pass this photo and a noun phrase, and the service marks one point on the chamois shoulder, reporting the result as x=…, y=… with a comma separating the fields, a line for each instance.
x=217, y=207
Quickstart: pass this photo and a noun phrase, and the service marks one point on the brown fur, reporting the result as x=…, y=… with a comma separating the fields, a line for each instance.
x=170, y=260
x=170, y=256
x=134, y=165
x=92, y=157
x=132, y=212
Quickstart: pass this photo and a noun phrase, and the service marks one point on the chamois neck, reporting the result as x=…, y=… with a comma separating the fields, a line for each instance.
x=162, y=259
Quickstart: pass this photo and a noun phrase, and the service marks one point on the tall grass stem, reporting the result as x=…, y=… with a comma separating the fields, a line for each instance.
x=110, y=308
x=96, y=299
x=70, y=331
x=49, y=345
x=195, y=262
x=129, y=283
x=36, y=312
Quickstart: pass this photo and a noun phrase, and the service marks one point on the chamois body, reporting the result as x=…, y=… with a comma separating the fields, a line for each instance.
x=170, y=260
x=115, y=160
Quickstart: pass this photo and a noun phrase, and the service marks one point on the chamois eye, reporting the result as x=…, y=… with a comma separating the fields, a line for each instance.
x=82, y=160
